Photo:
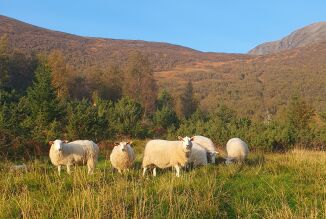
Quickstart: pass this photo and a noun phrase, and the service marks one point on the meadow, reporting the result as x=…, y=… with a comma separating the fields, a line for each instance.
x=268, y=185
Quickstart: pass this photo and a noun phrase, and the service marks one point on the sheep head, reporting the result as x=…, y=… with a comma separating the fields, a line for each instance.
x=186, y=142
x=122, y=146
x=58, y=144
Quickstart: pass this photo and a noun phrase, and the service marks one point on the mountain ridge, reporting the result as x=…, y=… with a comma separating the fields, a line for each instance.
x=313, y=33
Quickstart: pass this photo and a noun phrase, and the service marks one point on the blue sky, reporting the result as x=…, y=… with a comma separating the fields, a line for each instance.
x=206, y=25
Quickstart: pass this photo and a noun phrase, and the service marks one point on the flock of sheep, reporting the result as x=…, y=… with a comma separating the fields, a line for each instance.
x=197, y=150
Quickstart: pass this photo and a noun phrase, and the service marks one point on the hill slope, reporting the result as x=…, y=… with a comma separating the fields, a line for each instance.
x=84, y=52
x=313, y=33
x=252, y=85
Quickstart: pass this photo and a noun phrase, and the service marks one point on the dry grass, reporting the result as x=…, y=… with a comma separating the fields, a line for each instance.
x=290, y=185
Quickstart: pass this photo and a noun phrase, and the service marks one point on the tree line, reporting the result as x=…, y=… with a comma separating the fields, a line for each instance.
x=124, y=102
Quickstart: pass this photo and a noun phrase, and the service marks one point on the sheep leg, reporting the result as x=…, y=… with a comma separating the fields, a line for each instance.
x=68, y=169
x=154, y=171
x=90, y=166
x=144, y=171
x=59, y=169
x=177, y=168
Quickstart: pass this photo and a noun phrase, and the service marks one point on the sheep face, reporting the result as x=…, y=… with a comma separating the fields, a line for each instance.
x=122, y=146
x=186, y=142
x=58, y=145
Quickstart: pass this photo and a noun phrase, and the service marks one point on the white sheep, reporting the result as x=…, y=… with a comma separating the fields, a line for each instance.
x=198, y=155
x=208, y=145
x=122, y=156
x=76, y=152
x=164, y=154
x=236, y=150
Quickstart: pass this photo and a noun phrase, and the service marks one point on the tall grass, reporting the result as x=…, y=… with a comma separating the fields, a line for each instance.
x=291, y=185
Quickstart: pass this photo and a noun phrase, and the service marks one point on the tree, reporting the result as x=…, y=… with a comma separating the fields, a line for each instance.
x=4, y=61
x=84, y=121
x=187, y=102
x=41, y=103
x=299, y=113
x=164, y=99
x=59, y=71
x=139, y=83
x=127, y=117
x=165, y=116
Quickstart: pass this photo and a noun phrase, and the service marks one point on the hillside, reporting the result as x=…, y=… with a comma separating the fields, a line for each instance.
x=86, y=52
x=310, y=34
x=252, y=85
x=257, y=86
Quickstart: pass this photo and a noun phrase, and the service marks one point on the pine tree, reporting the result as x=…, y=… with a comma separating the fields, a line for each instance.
x=187, y=102
x=41, y=104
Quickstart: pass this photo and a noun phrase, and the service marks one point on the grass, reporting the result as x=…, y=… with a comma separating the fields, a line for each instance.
x=291, y=185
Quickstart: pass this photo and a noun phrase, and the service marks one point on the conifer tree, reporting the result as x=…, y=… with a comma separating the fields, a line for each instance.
x=187, y=102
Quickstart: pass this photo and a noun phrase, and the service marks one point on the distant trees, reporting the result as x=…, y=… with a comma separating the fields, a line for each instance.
x=139, y=83
x=187, y=102
x=165, y=116
x=4, y=61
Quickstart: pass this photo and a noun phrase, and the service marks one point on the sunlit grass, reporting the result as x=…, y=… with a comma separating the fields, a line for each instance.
x=291, y=185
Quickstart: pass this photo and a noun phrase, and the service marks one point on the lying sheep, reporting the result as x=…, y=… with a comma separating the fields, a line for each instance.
x=236, y=150
x=122, y=156
x=164, y=154
x=208, y=145
x=77, y=152
x=198, y=155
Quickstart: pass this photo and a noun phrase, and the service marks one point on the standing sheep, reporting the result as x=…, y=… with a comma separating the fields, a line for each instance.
x=122, y=156
x=76, y=152
x=236, y=150
x=164, y=154
x=208, y=145
x=198, y=155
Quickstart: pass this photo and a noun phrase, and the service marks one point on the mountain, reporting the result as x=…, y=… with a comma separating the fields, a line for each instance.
x=313, y=33
x=85, y=52
x=254, y=86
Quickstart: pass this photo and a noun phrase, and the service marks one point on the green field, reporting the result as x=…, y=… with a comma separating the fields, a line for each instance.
x=290, y=185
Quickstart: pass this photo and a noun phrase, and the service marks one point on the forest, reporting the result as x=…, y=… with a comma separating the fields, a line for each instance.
x=41, y=100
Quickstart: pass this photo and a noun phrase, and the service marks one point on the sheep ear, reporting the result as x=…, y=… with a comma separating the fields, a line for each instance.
x=129, y=142
x=180, y=138
x=192, y=138
x=65, y=141
x=51, y=142
x=116, y=143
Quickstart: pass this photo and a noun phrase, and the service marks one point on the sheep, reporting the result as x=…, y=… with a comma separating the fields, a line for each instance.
x=122, y=156
x=75, y=152
x=208, y=145
x=164, y=154
x=236, y=150
x=198, y=155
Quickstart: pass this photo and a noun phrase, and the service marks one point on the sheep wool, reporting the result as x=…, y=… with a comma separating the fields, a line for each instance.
x=207, y=144
x=122, y=156
x=81, y=152
x=236, y=150
x=164, y=154
x=198, y=155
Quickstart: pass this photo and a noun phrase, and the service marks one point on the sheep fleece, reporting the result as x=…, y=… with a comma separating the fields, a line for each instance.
x=198, y=155
x=75, y=152
x=122, y=160
x=236, y=148
x=163, y=154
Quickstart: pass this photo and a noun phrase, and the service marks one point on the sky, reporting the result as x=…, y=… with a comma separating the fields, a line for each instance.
x=233, y=26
